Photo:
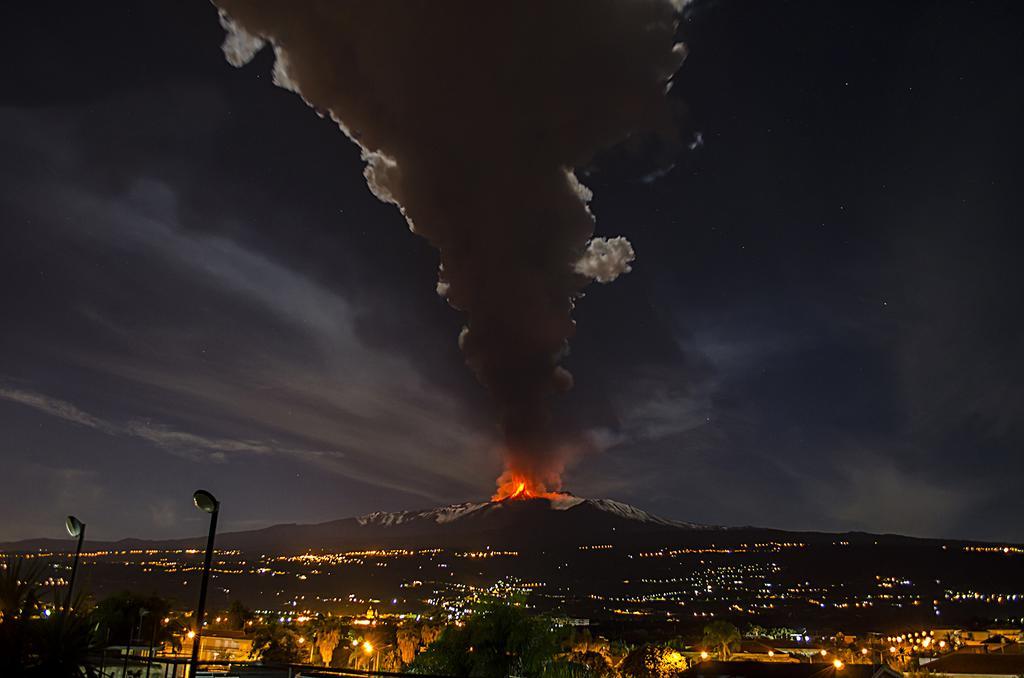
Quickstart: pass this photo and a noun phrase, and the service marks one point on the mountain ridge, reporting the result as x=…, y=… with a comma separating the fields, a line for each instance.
x=488, y=519
x=542, y=522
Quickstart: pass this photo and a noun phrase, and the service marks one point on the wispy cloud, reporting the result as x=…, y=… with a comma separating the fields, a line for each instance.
x=181, y=443
x=54, y=407
x=202, y=448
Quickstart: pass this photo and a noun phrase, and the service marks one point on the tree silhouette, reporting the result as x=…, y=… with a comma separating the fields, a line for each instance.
x=38, y=645
x=238, y=615
x=723, y=637
x=497, y=640
x=653, y=661
x=327, y=639
x=276, y=643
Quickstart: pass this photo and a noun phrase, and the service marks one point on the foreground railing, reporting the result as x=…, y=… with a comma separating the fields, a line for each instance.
x=177, y=667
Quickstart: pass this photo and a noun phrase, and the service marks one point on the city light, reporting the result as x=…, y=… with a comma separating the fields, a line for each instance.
x=368, y=647
x=838, y=664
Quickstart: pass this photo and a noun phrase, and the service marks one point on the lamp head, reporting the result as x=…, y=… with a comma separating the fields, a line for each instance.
x=74, y=526
x=205, y=501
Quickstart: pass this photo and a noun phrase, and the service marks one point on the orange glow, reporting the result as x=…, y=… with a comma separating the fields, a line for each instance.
x=512, y=485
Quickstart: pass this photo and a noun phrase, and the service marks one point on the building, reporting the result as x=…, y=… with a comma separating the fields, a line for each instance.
x=220, y=645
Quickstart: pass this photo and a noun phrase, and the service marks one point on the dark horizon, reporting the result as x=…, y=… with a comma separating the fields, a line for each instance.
x=821, y=330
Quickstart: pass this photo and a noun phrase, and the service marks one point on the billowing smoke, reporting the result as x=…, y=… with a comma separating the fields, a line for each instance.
x=471, y=115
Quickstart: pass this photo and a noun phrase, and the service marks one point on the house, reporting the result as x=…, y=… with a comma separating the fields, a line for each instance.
x=220, y=645
x=748, y=669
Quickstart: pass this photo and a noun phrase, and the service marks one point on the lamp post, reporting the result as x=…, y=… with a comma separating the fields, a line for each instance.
x=206, y=502
x=76, y=528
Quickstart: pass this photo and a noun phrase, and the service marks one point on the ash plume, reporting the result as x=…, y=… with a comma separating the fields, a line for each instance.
x=471, y=116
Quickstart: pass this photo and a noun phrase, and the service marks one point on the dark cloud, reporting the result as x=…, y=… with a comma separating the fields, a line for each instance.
x=471, y=119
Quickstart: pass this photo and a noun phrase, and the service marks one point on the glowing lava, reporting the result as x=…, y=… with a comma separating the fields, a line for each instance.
x=514, y=486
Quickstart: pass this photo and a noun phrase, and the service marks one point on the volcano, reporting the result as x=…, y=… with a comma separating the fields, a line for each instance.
x=516, y=522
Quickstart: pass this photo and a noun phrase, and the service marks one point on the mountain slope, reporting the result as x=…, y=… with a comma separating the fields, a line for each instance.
x=508, y=523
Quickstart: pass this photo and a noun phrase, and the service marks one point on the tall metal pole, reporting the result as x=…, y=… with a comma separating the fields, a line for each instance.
x=201, y=609
x=152, y=644
x=74, y=568
x=128, y=649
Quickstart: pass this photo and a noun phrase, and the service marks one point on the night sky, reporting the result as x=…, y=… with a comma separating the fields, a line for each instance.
x=822, y=328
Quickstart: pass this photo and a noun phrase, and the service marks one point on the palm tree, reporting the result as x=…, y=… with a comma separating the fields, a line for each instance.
x=19, y=588
x=19, y=600
x=723, y=637
x=55, y=646
x=64, y=644
x=327, y=636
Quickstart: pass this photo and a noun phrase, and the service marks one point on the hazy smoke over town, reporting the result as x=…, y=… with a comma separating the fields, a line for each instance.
x=471, y=116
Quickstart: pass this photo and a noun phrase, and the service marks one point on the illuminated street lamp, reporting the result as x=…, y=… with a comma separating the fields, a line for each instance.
x=207, y=503
x=76, y=528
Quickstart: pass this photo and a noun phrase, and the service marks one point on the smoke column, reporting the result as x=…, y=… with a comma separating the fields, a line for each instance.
x=471, y=116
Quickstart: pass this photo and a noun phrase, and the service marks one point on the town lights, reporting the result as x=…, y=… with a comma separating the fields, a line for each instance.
x=368, y=647
x=704, y=654
x=838, y=664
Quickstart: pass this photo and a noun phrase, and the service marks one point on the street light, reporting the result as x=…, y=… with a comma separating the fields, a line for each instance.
x=76, y=528
x=207, y=503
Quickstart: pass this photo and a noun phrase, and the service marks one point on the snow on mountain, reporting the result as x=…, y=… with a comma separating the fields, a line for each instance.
x=562, y=502
x=633, y=513
x=440, y=515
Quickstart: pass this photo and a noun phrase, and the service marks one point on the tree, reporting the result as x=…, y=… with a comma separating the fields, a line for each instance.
x=130, y=615
x=596, y=664
x=19, y=600
x=653, y=661
x=722, y=637
x=36, y=645
x=276, y=644
x=327, y=640
x=408, y=639
x=64, y=644
x=19, y=587
x=238, y=615
x=496, y=640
